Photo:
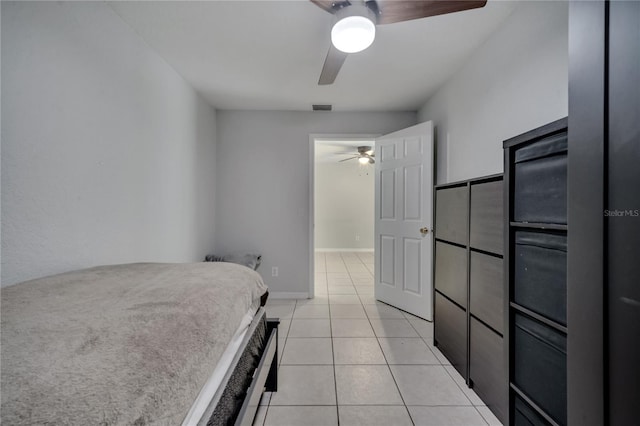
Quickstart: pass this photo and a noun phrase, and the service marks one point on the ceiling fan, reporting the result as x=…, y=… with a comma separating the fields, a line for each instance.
x=365, y=155
x=354, y=29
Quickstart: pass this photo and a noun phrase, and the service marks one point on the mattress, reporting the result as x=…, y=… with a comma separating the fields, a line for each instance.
x=120, y=344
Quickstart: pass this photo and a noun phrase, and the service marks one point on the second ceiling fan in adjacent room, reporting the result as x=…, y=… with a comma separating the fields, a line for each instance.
x=365, y=155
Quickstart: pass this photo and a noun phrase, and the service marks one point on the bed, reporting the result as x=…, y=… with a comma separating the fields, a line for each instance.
x=137, y=344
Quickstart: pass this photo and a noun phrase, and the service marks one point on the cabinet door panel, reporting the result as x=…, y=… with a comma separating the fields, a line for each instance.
x=486, y=290
x=452, y=214
x=540, y=365
x=486, y=222
x=451, y=272
x=450, y=333
x=486, y=368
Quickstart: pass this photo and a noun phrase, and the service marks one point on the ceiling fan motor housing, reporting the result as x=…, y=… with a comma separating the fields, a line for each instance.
x=368, y=9
x=366, y=152
x=354, y=28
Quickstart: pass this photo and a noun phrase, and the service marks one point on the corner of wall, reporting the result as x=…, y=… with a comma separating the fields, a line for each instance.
x=516, y=81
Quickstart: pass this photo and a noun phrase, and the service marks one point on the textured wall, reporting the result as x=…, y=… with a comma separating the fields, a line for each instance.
x=516, y=81
x=108, y=155
x=263, y=183
x=344, y=205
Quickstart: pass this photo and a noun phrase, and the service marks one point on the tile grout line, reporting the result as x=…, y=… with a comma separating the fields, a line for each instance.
x=280, y=356
x=369, y=318
x=354, y=286
x=391, y=373
x=481, y=416
x=385, y=359
x=333, y=364
x=424, y=340
x=389, y=366
x=465, y=394
x=333, y=356
x=450, y=375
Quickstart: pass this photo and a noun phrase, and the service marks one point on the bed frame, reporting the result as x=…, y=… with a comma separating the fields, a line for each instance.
x=265, y=376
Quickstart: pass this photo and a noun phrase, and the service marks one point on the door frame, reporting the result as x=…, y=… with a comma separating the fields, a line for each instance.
x=312, y=166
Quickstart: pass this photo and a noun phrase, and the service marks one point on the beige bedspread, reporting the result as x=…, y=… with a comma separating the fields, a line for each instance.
x=122, y=344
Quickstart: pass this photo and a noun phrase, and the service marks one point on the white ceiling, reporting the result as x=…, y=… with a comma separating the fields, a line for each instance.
x=268, y=54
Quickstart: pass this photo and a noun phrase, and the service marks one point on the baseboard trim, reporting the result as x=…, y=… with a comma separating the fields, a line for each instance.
x=332, y=250
x=288, y=295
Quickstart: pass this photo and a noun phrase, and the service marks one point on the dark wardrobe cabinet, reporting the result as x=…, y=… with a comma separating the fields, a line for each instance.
x=535, y=267
x=451, y=274
x=603, y=265
x=468, y=277
x=571, y=299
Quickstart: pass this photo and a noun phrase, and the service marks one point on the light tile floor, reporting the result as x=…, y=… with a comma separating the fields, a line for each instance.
x=346, y=359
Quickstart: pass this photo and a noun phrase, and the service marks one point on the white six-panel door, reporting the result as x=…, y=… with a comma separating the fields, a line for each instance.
x=404, y=185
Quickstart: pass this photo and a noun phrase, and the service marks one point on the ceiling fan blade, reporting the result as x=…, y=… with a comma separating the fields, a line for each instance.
x=347, y=159
x=332, y=64
x=402, y=10
x=325, y=5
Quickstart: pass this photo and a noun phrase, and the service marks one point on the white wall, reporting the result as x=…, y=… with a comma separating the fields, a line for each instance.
x=344, y=205
x=262, y=175
x=107, y=154
x=516, y=81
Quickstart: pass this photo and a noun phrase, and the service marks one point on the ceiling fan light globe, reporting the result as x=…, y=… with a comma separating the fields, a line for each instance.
x=363, y=160
x=353, y=34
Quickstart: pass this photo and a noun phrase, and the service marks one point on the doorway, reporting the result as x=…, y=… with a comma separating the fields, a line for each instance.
x=342, y=214
x=402, y=267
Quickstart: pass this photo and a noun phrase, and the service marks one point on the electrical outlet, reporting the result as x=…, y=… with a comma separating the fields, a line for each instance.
x=357, y=237
x=274, y=271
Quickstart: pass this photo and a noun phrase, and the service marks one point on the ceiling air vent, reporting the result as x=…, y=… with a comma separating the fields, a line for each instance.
x=322, y=107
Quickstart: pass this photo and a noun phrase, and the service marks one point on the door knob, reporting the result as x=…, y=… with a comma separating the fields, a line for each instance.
x=424, y=231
